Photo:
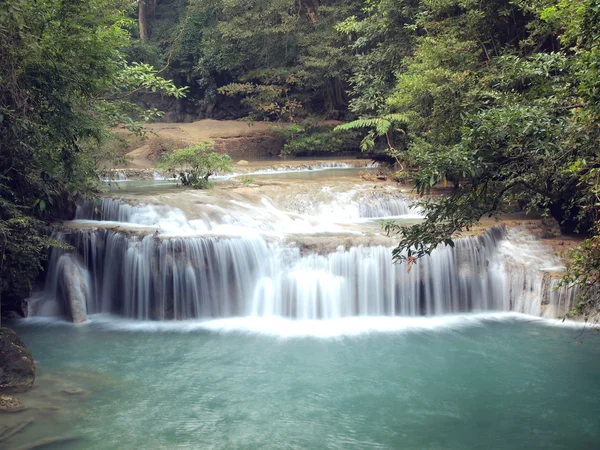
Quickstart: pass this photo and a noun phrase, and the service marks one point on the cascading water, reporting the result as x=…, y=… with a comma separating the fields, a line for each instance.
x=157, y=277
x=358, y=204
x=253, y=264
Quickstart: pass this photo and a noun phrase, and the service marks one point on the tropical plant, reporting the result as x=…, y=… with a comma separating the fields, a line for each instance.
x=386, y=126
x=195, y=164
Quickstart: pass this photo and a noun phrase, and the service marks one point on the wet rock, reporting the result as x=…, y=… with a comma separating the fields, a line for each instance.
x=74, y=391
x=74, y=286
x=50, y=408
x=17, y=371
x=8, y=432
x=550, y=229
x=242, y=162
x=10, y=404
x=57, y=441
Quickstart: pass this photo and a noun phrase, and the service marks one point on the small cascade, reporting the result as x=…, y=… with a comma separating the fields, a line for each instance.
x=235, y=217
x=114, y=210
x=149, y=277
x=556, y=300
x=324, y=165
x=115, y=176
x=355, y=205
x=385, y=204
x=107, y=209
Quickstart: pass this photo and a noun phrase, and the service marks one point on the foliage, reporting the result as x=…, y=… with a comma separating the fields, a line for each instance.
x=380, y=38
x=281, y=60
x=304, y=140
x=387, y=125
x=501, y=99
x=247, y=180
x=583, y=271
x=63, y=80
x=196, y=164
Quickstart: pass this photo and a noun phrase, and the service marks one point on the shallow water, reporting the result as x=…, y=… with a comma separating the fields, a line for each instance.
x=161, y=185
x=495, y=381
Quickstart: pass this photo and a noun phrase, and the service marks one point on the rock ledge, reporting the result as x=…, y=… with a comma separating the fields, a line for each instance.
x=17, y=371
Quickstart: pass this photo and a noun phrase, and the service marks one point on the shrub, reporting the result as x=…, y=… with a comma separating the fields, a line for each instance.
x=195, y=164
x=308, y=140
x=246, y=180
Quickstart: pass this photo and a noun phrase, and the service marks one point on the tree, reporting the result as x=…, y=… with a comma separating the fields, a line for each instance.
x=196, y=164
x=63, y=81
x=278, y=60
x=143, y=20
x=380, y=36
x=500, y=98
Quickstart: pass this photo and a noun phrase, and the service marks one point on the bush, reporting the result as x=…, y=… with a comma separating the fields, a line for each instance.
x=307, y=140
x=247, y=180
x=196, y=164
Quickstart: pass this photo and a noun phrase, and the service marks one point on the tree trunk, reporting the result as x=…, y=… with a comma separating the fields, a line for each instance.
x=311, y=10
x=312, y=14
x=142, y=20
x=152, y=8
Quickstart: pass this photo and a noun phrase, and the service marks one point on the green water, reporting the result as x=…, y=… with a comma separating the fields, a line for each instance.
x=497, y=382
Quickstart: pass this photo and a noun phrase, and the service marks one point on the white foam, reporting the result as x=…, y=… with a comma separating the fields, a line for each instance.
x=319, y=167
x=288, y=328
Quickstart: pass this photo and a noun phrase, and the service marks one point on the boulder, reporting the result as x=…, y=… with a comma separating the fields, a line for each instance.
x=74, y=287
x=242, y=162
x=10, y=404
x=17, y=371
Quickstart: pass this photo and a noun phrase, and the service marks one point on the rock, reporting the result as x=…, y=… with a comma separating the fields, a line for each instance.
x=74, y=285
x=51, y=408
x=242, y=162
x=74, y=391
x=10, y=404
x=57, y=441
x=8, y=432
x=17, y=371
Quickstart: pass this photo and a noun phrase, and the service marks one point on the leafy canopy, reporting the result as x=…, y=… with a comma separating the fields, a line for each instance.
x=64, y=80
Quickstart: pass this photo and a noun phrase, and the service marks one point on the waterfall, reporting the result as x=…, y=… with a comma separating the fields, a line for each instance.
x=383, y=204
x=149, y=277
x=356, y=205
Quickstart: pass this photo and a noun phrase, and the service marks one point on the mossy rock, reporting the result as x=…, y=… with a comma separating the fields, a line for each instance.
x=17, y=371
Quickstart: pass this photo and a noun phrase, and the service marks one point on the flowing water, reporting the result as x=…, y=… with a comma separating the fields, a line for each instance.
x=233, y=257
x=496, y=381
x=273, y=318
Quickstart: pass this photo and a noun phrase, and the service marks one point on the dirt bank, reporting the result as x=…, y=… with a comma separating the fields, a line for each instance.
x=239, y=139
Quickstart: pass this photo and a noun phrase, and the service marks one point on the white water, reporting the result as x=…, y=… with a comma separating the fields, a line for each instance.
x=235, y=217
x=179, y=273
x=282, y=327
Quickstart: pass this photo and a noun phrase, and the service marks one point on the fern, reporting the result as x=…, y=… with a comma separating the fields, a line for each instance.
x=397, y=117
x=381, y=124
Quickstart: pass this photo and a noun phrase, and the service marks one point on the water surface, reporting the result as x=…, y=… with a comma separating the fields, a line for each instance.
x=495, y=381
